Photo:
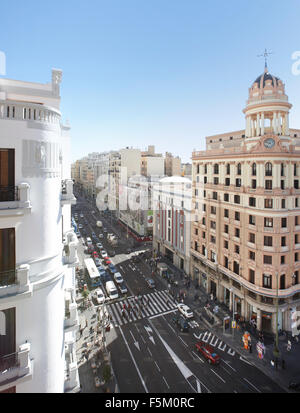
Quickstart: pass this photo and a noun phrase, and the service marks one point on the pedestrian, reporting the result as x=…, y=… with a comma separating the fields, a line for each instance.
x=211, y=296
x=272, y=363
x=289, y=345
x=250, y=347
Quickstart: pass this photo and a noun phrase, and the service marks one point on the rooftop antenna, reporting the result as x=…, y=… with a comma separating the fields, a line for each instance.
x=265, y=55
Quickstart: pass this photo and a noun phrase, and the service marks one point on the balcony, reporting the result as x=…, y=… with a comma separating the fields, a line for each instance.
x=72, y=383
x=67, y=196
x=70, y=256
x=15, y=282
x=15, y=368
x=71, y=322
x=14, y=200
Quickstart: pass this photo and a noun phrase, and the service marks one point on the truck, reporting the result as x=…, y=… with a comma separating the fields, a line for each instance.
x=99, y=224
x=111, y=290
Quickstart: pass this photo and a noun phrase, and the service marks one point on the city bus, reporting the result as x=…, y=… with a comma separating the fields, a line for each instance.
x=92, y=272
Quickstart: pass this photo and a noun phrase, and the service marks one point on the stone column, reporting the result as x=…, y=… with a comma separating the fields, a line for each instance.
x=274, y=122
x=252, y=127
x=257, y=124
x=263, y=123
x=287, y=129
x=248, y=126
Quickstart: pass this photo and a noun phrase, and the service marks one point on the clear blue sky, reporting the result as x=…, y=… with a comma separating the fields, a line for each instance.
x=162, y=72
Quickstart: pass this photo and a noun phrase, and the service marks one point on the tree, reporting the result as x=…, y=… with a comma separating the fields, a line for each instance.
x=106, y=373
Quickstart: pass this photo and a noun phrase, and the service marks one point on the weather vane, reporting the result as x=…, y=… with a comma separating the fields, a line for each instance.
x=265, y=55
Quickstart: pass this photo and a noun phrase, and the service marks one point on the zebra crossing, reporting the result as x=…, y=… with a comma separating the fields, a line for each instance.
x=159, y=302
x=209, y=338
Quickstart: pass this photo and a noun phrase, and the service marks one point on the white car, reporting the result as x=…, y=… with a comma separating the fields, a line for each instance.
x=100, y=297
x=103, y=254
x=101, y=236
x=185, y=311
x=118, y=278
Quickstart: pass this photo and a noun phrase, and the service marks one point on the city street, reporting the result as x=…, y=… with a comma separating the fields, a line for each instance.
x=149, y=353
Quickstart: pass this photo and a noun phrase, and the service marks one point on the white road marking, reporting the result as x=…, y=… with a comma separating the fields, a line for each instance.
x=218, y=376
x=157, y=366
x=215, y=343
x=220, y=346
x=196, y=355
x=149, y=352
x=246, y=361
x=229, y=365
x=231, y=352
x=166, y=382
x=252, y=385
x=183, y=341
x=135, y=342
x=134, y=362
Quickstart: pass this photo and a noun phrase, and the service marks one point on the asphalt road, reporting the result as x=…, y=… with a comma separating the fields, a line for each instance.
x=149, y=353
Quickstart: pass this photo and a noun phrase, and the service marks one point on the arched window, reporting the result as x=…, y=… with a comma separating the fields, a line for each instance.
x=228, y=169
x=216, y=168
x=268, y=169
x=239, y=169
x=254, y=169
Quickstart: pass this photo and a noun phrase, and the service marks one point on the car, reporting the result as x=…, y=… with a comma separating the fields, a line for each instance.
x=123, y=288
x=95, y=254
x=118, y=278
x=181, y=323
x=185, y=311
x=112, y=268
x=97, y=262
x=107, y=261
x=99, y=245
x=104, y=229
x=103, y=254
x=208, y=352
x=80, y=226
x=150, y=282
x=81, y=215
x=128, y=251
x=100, y=297
x=112, y=253
x=101, y=236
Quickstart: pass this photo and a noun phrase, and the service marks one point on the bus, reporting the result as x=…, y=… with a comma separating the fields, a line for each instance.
x=92, y=272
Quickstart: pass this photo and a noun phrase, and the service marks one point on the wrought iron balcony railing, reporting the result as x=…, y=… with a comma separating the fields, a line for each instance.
x=9, y=193
x=8, y=278
x=9, y=362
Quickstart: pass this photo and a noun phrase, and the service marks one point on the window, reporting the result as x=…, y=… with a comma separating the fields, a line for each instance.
x=237, y=216
x=268, y=169
x=204, y=207
x=296, y=238
x=226, y=244
x=251, y=237
x=215, y=195
x=254, y=169
x=295, y=277
x=253, y=183
x=296, y=184
x=204, y=194
x=198, y=169
x=238, y=182
x=268, y=184
x=252, y=201
x=268, y=241
x=203, y=221
x=226, y=213
x=268, y=203
x=283, y=203
x=213, y=256
x=251, y=219
x=216, y=180
x=283, y=241
x=237, y=199
x=228, y=169
x=226, y=229
x=227, y=181
x=252, y=276
x=203, y=250
x=296, y=220
x=268, y=259
x=196, y=246
x=236, y=249
x=267, y=281
x=282, y=169
x=213, y=210
x=237, y=232
x=296, y=202
x=212, y=239
x=296, y=256
x=268, y=222
x=216, y=168
x=283, y=222
x=205, y=169
x=226, y=197
x=213, y=224
x=282, y=282
x=226, y=262
x=252, y=255
x=282, y=259
x=205, y=180
x=239, y=169
x=236, y=268
x=295, y=169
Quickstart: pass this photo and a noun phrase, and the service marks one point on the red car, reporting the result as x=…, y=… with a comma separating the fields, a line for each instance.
x=208, y=352
x=107, y=261
x=95, y=254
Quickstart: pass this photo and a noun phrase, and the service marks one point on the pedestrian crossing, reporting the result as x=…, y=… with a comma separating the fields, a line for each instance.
x=209, y=338
x=155, y=303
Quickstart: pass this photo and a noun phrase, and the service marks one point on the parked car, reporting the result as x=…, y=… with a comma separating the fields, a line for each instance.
x=150, y=282
x=99, y=245
x=112, y=268
x=100, y=297
x=118, y=278
x=123, y=288
x=103, y=254
x=208, y=352
x=95, y=254
x=181, y=323
x=104, y=229
x=185, y=311
x=80, y=226
x=107, y=261
x=101, y=236
x=97, y=262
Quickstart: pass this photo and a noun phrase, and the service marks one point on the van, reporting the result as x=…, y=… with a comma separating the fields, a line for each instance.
x=89, y=241
x=111, y=290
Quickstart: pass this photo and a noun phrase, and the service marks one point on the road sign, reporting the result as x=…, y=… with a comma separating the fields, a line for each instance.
x=233, y=324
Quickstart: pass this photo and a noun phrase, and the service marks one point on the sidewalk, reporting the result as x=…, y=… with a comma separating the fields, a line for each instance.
x=282, y=376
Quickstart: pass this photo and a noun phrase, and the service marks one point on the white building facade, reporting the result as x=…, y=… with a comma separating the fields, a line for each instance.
x=38, y=312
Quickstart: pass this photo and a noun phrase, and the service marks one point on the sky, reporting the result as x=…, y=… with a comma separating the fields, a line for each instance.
x=151, y=72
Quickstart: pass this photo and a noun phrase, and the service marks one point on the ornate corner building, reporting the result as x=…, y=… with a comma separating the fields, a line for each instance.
x=38, y=310
x=245, y=236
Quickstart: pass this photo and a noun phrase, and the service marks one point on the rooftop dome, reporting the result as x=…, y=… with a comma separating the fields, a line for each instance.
x=261, y=80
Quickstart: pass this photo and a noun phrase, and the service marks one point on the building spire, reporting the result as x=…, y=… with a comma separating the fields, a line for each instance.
x=265, y=55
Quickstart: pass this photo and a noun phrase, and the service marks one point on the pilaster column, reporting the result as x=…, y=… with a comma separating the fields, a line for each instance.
x=263, y=123
x=252, y=127
x=248, y=128
x=274, y=122
x=287, y=128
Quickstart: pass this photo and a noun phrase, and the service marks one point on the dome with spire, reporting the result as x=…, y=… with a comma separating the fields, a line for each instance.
x=267, y=86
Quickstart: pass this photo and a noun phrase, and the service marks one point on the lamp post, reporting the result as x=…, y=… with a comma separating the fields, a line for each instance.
x=276, y=352
x=231, y=290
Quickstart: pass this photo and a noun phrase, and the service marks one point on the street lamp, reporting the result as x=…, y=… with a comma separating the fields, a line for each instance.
x=276, y=352
x=233, y=307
